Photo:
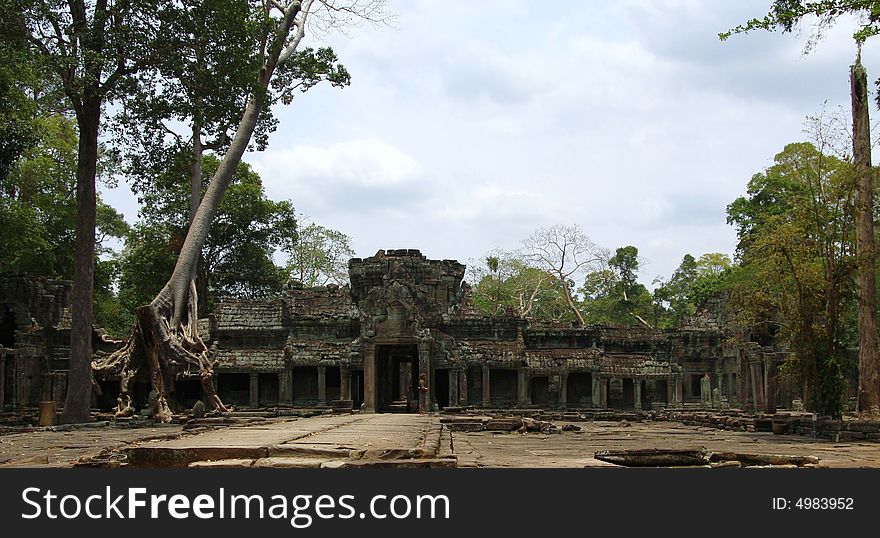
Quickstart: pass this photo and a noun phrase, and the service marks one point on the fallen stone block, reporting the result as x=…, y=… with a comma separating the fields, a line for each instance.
x=223, y=464
x=655, y=457
x=290, y=463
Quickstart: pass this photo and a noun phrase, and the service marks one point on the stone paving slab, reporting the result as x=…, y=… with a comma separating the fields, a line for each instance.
x=307, y=442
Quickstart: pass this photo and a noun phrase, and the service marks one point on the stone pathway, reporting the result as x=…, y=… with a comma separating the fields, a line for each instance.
x=397, y=440
x=576, y=449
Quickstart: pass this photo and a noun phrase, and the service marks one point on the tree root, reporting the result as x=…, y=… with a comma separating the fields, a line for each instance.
x=163, y=355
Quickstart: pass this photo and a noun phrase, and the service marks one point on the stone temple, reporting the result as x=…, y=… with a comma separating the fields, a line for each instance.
x=365, y=345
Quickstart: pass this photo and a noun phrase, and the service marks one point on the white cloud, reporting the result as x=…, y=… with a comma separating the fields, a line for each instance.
x=470, y=124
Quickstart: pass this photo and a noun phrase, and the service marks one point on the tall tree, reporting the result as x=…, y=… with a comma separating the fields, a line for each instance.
x=237, y=258
x=787, y=15
x=507, y=284
x=203, y=88
x=614, y=295
x=318, y=255
x=165, y=343
x=92, y=47
x=796, y=244
x=566, y=253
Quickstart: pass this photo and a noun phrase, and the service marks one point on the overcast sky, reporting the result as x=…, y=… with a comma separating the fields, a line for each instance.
x=468, y=125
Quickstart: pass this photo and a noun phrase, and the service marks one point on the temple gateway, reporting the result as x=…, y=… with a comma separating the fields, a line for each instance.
x=403, y=315
x=365, y=345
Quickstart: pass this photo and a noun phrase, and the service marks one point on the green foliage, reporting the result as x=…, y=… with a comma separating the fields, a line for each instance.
x=237, y=258
x=506, y=284
x=191, y=98
x=38, y=206
x=318, y=255
x=796, y=248
x=614, y=296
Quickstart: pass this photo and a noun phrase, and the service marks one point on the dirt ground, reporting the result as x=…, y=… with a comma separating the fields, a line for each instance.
x=322, y=438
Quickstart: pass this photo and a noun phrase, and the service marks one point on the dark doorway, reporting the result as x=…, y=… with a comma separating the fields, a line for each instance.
x=629, y=394
x=268, y=389
x=540, y=391
x=502, y=387
x=357, y=388
x=397, y=377
x=620, y=393
x=441, y=387
x=475, y=385
x=187, y=392
x=109, y=393
x=305, y=385
x=7, y=328
x=234, y=389
x=661, y=391
x=695, y=387
x=579, y=390
x=140, y=394
x=333, y=379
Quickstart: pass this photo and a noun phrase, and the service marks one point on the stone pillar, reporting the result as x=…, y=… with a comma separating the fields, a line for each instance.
x=771, y=364
x=522, y=387
x=424, y=347
x=597, y=390
x=757, y=383
x=563, y=389
x=59, y=381
x=285, y=387
x=463, y=387
x=603, y=393
x=255, y=390
x=453, y=388
x=679, y=390
x=637, y=394
x=487, y=395
x=345, y=383
x=370, y=379
x=670, y=392
x=322, y=385
x=742, y=381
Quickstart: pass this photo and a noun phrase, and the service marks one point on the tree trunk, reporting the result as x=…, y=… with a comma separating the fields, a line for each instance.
x=79, y=384
x=869, y=370
x=570, y=300
x=165, y=344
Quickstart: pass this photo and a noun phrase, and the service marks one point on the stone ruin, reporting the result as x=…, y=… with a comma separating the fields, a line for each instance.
x=365, y=345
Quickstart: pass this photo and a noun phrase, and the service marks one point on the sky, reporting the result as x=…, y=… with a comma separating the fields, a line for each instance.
x=469, y=125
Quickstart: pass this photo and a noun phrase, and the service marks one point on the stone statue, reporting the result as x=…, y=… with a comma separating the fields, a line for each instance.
x=706, y=391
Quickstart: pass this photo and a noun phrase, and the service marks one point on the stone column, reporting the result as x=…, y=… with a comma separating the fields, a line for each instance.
x=322, y=385
x=597, y=390
x=757, y=382
x=771, y=365
x=603, y=394
x=463, y=387
x=285, y=387
x=345, y=383
x=563, y=389
x=670, y=392
x=522, y=387
x=487, y=395
x=255, y=390
x=679, y=390
x=370, y=379
x=453, y=388
x=742, y=381
x=424, y=347
x=637, y=394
